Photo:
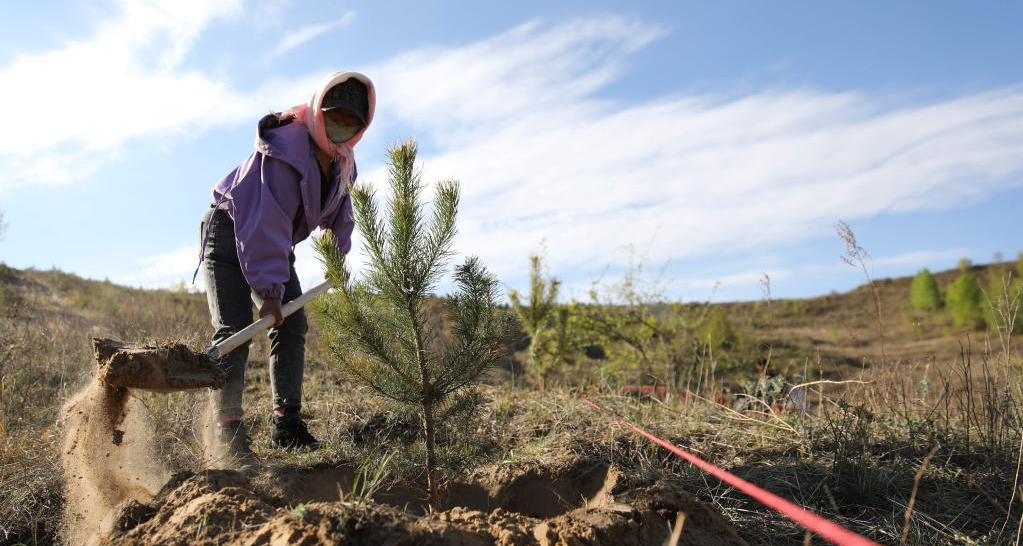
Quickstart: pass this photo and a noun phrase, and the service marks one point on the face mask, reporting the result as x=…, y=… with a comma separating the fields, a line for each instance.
x=338, y=133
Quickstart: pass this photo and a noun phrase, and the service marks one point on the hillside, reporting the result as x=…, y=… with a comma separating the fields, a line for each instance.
x=853, y=457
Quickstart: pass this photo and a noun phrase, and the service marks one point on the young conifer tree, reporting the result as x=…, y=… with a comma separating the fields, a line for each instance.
x=377, y=329
x=538, y=317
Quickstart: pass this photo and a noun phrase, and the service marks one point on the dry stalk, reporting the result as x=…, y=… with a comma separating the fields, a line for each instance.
x=912, y=498
x=857, y=256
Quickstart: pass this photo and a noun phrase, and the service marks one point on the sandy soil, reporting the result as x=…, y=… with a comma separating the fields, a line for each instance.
x=571, y=503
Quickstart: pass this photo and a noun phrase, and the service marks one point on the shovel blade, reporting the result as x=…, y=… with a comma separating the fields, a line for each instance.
x=160, y=368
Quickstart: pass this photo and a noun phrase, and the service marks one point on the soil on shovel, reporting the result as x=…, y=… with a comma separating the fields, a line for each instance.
x=575, y=502
x=165, y=367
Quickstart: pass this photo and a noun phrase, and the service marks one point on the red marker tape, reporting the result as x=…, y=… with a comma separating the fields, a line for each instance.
x=830, y=531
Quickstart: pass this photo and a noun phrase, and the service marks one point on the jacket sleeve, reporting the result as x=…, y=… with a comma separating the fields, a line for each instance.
x=343, y=225
x=344, y=221
x=265, y=204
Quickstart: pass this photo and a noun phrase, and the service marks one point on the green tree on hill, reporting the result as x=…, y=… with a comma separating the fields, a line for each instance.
x=964, y=299
x=378, y=330
x=924, y=293
x=1019, y=265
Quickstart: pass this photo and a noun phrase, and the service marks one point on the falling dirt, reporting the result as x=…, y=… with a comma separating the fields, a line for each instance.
x=507, y=505
x=108, y=456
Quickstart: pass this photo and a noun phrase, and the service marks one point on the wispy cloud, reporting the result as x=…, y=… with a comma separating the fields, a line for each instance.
x=520, y=120
x=303, y=35
x=124, y=81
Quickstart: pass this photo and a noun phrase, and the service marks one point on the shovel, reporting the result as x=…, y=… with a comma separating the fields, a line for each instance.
x=172, y=367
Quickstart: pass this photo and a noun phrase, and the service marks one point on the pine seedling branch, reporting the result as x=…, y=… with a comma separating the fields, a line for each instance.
x=377, y=328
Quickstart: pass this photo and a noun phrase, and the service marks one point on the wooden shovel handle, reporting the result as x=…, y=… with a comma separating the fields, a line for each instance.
x=250, y=331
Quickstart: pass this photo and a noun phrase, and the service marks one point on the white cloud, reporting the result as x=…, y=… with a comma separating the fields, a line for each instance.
x=161, y=270
x=518, y=119
x=124, y=81
x=303, y=35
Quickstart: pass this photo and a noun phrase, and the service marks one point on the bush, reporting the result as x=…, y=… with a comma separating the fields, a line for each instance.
x=964, y=300
x=923, y=293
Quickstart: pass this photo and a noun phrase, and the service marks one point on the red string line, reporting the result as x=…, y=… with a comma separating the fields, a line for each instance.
x=830, y=531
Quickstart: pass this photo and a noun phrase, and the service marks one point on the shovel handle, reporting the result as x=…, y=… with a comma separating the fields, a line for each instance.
x=250, y=331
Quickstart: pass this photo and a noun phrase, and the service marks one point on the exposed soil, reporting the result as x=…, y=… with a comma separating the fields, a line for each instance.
x=574, y=502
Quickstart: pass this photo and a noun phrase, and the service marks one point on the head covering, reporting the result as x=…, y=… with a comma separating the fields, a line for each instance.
x=351, y=95
x=311, y=115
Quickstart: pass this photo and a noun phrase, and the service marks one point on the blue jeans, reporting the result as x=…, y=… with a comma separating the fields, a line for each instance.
x=231, y=301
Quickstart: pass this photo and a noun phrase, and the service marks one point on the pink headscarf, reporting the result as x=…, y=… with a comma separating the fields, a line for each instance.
x=311, y=116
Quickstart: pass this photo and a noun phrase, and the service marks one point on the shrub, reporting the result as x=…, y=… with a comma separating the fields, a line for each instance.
x=924, y=292
x=964, y=299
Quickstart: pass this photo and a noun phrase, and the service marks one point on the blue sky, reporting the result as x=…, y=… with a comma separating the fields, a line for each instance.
x=715, y=140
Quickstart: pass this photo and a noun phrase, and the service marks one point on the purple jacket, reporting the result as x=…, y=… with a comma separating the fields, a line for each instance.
x=274, y=199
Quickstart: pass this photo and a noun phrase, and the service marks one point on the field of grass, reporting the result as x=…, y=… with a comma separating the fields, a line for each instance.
x=944, y=395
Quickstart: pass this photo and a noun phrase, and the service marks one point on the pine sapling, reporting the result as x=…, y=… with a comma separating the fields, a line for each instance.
x=538, y=316
x=377, y=328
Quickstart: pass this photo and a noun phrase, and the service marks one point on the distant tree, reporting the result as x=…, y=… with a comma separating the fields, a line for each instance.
x=924, y=293
x=1019, y=265
x=964, y=299
x=963, y=264
x=377, y=330
x=538, y=315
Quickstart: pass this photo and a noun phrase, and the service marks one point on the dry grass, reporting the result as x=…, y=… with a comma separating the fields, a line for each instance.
x=854, y=457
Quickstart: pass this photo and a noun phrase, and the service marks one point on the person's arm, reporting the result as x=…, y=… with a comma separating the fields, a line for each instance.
x=343, y=223
x=265, y=205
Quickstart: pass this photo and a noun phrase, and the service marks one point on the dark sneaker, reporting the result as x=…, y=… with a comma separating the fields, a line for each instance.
x=232, y=446
x=290, y=432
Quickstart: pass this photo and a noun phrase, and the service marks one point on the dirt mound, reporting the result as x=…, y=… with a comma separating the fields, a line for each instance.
x=571, y=503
